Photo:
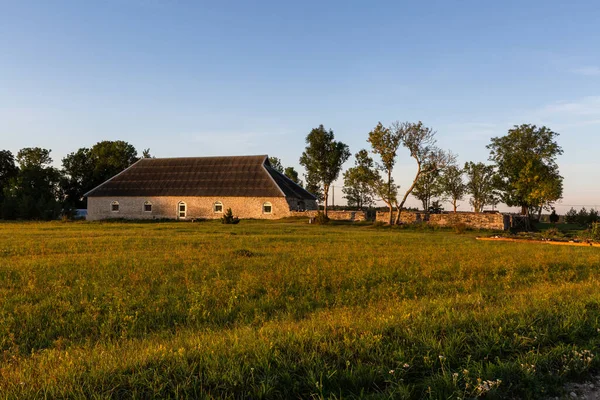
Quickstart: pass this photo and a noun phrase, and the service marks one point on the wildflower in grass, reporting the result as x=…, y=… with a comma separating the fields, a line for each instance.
x=391, y=372
x=406, y=365
x=485, y=386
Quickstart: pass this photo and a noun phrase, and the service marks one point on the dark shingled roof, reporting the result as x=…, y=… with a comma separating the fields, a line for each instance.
x=236, y=176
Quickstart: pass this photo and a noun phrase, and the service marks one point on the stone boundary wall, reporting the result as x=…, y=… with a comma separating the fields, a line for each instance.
x=472, y=220
x=354, y=216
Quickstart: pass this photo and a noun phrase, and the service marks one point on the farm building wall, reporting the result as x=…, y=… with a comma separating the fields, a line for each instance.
x=196, y=207
x=495, y=221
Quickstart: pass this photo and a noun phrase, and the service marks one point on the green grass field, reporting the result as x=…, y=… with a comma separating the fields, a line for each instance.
x=289, y=310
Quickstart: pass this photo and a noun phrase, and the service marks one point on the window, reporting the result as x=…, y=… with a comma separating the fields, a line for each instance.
x=181, y=209
x=267, y=208
x=218, y=207
x=114, y=206
x=147, y=206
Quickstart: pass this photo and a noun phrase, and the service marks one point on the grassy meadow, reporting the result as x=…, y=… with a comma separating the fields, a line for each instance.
x=284, y=309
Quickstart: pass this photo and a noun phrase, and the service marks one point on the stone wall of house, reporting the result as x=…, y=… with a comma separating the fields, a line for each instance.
x=338, y=215
x=197, y=207
x=472, y=220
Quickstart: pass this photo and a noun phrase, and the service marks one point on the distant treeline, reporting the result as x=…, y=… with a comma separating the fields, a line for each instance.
x=31, y=188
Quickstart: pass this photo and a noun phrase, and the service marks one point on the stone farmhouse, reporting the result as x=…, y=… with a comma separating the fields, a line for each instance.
x=198, y=188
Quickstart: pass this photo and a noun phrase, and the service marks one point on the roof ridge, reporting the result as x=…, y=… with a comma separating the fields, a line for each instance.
x=204, y=157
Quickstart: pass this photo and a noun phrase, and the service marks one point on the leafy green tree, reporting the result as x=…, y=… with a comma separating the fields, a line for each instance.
x=452, y=184
x=359, y=180
x=427, y=188
x=385, y=143
x=146, y=154
x=526, y=164
x=480, y=185
x=33, y=192
x=314, y=186
x=571, y=216
x=87, y=168
x=291, y=173
x=276, y=164
x=323, y=158
x=8, y=171
x=421, y=143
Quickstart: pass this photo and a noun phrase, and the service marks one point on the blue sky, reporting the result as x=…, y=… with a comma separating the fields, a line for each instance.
x=191, y=78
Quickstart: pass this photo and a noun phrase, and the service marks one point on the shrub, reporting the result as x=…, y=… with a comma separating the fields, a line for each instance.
x=595, y=231
x=321, y=219
x=551, y=233
x=554, y=217
x=460, y=228
x=228, y=218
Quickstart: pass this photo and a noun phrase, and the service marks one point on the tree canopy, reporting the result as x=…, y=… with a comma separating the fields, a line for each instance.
x=480, y=185
x=526, y=166
x=359, y=181
x=87, y=168
x=323, y=158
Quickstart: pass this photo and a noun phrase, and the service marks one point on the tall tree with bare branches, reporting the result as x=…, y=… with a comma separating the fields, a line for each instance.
x=421, y=143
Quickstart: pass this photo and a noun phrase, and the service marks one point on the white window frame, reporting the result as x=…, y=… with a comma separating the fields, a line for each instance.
x=147, y=203
x=267, y=204
x=114, y=203
x=215, y=204
x=179, y=210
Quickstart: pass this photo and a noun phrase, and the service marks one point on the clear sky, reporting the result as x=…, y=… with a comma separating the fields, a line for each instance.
x=192, y=78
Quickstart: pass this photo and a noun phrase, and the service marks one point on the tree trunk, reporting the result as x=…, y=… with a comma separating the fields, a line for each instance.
x=454, y=204
x=524, y=210
x=326, y=196
x=390, y=196
x=410, y=189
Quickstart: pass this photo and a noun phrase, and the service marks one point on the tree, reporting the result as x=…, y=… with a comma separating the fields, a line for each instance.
x=427, y=188
x=33, y=192
x=291, y=173
x=358, y=181
x=421, y=143
x=525, y=161
x=386, y=191
x=8, y=171
x=314, y=186
x=452, y=184
x=77, y=178
x=276, y=164
x=146, y=153
x=323, y=158
x=385, y=143
x=480, y=184
x=87, y=168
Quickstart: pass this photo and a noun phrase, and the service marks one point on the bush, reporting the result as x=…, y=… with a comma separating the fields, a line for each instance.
x=228, y=218
x=554, y=217
x=595, y=232
x=551, y=233
x=321, y=219
x=460, y=228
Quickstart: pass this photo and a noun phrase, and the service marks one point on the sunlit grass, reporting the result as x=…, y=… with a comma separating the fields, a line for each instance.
x=285, y=309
